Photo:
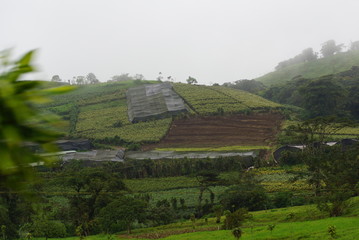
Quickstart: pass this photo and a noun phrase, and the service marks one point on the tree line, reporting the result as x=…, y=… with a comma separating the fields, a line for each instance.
x=92, y=79
x=328, y=49
x=335, y=94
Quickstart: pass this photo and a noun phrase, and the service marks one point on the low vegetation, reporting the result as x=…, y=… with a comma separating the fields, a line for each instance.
x=217, y=100
x=330, y=65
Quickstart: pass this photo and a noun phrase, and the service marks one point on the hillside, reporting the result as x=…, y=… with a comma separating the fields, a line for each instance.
x=301, y=222
x=323, y=66
x=99, y=111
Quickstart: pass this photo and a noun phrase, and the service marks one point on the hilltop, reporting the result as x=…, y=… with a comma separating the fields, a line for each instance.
x=324, y=66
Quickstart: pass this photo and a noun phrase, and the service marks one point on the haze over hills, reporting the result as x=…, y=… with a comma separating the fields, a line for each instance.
x=329, y=65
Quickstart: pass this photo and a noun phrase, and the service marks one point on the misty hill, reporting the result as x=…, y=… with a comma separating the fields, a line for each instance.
x=99, y=111
x=313, y=69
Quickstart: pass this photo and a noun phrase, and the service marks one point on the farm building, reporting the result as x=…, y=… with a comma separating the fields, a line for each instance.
x=277, y=154
x=153, y=101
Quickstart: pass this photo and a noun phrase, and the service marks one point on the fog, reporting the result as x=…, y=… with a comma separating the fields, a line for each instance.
x=214, y=41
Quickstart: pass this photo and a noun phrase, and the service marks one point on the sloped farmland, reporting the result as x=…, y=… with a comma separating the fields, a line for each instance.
x=247, y=130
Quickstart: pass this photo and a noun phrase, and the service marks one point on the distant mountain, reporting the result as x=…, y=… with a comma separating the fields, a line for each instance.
x=313, y=69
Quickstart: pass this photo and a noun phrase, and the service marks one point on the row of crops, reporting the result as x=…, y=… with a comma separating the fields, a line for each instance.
x=273, y=179
x=101, y=113
x=208, y=100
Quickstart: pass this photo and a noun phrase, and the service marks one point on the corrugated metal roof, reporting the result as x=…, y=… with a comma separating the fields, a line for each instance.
x=148, y=101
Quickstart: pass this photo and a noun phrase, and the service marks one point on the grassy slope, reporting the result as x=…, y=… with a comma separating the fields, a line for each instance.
x=103, y=113
x=306, y=223
x=346, y=229
x=337, y=63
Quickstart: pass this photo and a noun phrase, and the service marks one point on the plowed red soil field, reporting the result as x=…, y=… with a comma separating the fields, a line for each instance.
x=212, y=131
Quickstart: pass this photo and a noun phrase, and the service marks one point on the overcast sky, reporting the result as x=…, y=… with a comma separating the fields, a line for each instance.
x=215, y=41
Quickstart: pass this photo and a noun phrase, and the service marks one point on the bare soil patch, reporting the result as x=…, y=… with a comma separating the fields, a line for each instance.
x=210, y=131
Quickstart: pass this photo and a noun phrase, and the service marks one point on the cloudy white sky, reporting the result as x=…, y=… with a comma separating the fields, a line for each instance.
x=215, y=41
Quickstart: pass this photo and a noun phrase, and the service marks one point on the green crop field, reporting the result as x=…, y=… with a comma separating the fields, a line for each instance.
x=250, y=100
x=99, y=111
x=273, y=179
x=102, y=114
x=212, y=100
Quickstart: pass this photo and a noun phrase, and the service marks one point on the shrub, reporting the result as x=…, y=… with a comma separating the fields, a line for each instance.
x=48, y=228
x=235, y=219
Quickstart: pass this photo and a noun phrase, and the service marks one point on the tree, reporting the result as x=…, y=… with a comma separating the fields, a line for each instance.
x=354, y=46
x=160, y=77
x=318, y=129
x=91, y=79
x=251, y=86
x=206, y=179
x=139, y=77
x=80, y=80
x=333, y=174
x=323, y=96
x=245, y=193
x=306, y=56
x=122, y=213
x=162, y=213
x=332, y=171
x=122, y=77
x=329, y=48
x=43, y=227
x=235, y=219
x=309, y=55
x=94, y=188
x=191, y=80
x=56, y=78
x=237, y=233
x=218, y=211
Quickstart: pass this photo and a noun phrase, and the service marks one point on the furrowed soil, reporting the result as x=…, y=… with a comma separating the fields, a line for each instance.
x=210, y=131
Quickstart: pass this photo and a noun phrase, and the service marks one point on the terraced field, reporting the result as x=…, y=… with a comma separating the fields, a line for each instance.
x=217, y=100
x=254, y=130
x=99, y=112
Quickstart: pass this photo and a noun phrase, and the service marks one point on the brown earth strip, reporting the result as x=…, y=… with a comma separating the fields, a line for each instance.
x=216, y=131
